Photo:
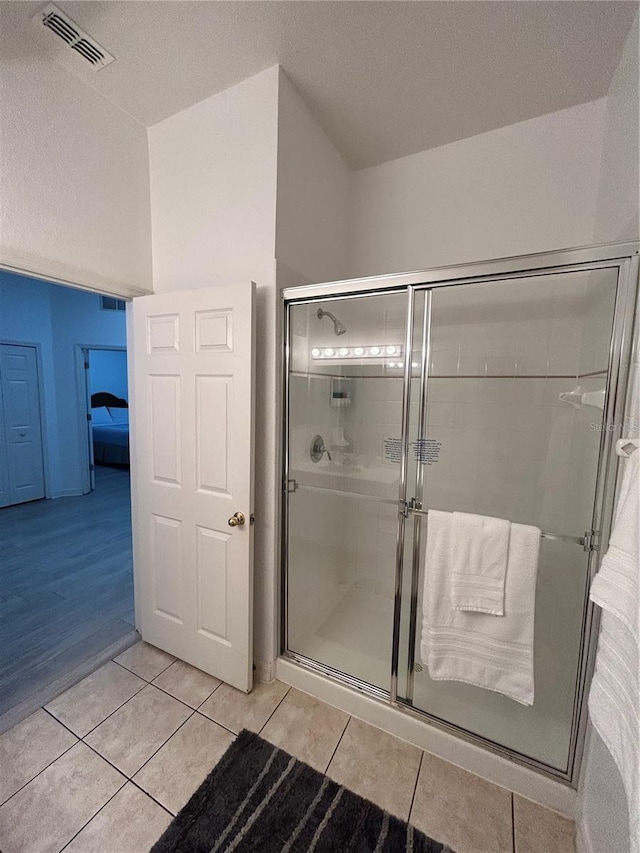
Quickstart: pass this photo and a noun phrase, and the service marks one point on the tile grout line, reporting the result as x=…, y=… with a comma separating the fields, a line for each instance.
x=215, y=722
x=338, y=744
x=104, y=805
x=151, y=797
x=157, y=675
x=275, y=709
x=153, y=684
x=164, y=743
x=82, y=737
x=64, y=725
x=210, y=695
x=415, y=787
x=22, y=787
x=146, y=684
x=125, y=776
x=129, y=779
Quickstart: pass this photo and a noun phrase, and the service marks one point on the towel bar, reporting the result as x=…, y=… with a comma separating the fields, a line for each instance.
x=587, y=540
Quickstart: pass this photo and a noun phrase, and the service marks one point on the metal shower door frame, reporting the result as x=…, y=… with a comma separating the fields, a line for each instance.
x=624, y=257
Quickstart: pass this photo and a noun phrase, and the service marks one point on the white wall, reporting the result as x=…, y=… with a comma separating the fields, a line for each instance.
x=58, y=318
x=602, y=822
x=530, y=187
x=312, y=217
x=74, y=179
x=213, y=213
x=213, y=188
x=617, y=205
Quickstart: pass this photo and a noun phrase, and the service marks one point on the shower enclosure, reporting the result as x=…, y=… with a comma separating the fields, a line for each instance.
x=494, y=389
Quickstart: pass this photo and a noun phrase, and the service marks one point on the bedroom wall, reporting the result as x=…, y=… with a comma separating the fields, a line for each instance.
x=108, y=372
x=58, y=318
x=76, y=319
x=25, y=317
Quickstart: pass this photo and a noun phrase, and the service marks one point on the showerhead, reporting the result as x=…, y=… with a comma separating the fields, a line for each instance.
x=338, y=327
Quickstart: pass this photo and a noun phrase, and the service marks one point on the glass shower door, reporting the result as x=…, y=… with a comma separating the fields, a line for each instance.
x=509, y=426
x=345, y=388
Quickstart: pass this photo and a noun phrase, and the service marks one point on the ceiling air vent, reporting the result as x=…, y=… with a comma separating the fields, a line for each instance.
x=56, y=22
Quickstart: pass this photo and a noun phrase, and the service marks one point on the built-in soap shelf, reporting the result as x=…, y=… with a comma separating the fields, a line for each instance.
x=341, y=392
x=626, y=447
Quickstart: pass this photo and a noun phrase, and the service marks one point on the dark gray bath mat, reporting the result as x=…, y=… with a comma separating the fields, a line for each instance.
x=259, y=798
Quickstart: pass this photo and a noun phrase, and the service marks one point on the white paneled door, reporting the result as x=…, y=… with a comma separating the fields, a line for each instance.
x=21, y=457
x=192, y=476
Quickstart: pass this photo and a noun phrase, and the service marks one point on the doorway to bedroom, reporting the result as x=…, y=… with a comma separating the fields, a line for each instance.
x=104, y=388
x=66, y=574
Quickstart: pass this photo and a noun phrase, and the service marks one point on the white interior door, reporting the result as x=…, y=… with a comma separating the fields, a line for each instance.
x=23, y=465
x=192, y=471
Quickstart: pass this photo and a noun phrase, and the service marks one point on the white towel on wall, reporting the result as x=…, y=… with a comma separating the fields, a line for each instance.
x=479, y=549
x=614, y=698
x=478, y=648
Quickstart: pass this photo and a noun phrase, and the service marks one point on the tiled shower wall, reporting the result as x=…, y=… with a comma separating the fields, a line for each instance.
x=508, y=446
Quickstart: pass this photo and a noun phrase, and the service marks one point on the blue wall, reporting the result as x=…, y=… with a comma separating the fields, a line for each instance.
x=58, y=319
x=108, y=372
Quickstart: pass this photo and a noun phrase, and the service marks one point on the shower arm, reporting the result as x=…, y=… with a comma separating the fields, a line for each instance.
x=338, y=327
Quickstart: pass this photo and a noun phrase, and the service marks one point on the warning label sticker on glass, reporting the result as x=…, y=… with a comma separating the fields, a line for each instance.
x=393, y=449
x=426, y=451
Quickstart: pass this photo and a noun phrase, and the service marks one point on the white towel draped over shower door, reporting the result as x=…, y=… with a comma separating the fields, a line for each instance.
x=614, y=698
x=492, y=652
x=479, y=551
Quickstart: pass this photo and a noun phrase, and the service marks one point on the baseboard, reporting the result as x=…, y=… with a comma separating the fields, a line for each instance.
x=67, y=493
x=583, y=839
x=49, y=692
x=264, y=671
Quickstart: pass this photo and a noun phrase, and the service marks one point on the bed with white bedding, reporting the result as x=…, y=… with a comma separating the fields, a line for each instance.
x=110, y=429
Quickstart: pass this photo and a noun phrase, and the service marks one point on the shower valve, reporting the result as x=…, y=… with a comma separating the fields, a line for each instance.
x=318, y=449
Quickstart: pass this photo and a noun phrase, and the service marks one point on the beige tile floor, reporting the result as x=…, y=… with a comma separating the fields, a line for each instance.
x=104, y=767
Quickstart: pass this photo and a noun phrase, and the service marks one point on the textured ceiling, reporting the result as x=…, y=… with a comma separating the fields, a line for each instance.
x=385, y=79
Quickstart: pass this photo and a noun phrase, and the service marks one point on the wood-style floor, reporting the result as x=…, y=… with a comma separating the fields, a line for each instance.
x=66, y=584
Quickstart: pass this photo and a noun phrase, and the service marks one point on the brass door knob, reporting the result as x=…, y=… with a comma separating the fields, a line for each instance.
x=237, y=519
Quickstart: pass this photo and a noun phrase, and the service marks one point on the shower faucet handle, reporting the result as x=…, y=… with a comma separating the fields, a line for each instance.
x=318, y=449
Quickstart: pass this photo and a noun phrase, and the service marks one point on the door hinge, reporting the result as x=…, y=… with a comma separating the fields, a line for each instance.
x=86, y=365
x=88, y=416
x=92, y=467
x=407, y=506
x=591, y=541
